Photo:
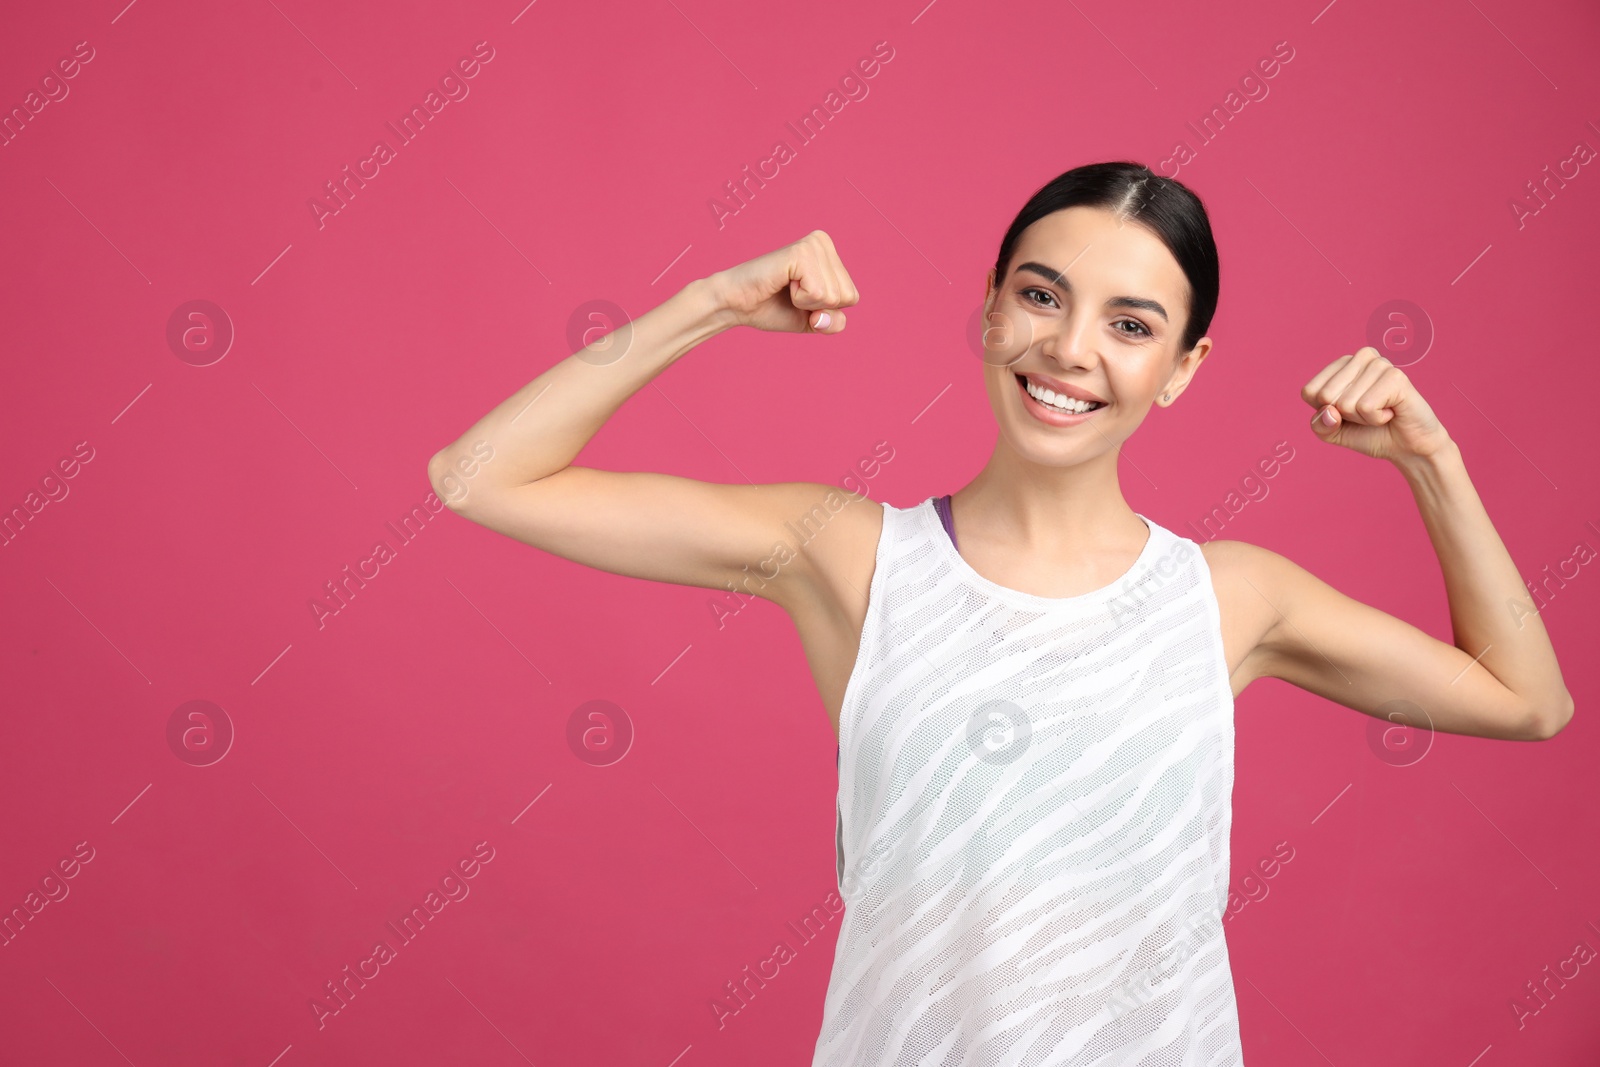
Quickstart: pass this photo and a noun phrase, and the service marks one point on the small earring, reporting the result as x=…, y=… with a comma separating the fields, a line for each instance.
x=1166, y=396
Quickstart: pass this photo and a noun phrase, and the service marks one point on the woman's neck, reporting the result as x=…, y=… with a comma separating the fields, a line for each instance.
x=1029, y=507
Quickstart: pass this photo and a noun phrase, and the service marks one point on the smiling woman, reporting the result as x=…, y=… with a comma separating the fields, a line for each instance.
x=1035, y=717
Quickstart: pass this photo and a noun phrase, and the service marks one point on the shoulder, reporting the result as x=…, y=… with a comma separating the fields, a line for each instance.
x=1244, y=576
x=1240, y=560
x=1254, y=587
x=1253, y=574
x=1259, y=580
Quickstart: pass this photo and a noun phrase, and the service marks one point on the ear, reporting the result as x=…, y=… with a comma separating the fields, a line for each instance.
x=1184, y=371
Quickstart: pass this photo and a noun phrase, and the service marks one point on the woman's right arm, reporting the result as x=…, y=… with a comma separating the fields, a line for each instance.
x=512, y=471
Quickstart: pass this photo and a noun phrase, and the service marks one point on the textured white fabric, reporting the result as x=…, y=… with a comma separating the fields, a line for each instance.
x=1035, y=796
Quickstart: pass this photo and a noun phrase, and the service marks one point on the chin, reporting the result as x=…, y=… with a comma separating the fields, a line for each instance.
x=1055, y=446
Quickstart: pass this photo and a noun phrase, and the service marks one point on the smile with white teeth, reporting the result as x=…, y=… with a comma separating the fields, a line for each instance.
x=1059, y=401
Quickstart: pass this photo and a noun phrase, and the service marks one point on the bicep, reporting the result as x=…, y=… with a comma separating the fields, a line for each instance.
x=667, y=528
x=1337, y=647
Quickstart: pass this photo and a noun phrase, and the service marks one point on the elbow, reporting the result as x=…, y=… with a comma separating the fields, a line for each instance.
x=1548, y=723
x=446, y=483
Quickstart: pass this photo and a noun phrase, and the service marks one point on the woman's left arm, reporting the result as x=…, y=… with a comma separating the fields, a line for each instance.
x=1501, y=678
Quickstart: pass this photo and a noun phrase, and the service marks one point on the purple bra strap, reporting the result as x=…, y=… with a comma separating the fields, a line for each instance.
x=942, y=506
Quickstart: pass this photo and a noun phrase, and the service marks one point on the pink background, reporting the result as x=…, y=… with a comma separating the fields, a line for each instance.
x=373, y=752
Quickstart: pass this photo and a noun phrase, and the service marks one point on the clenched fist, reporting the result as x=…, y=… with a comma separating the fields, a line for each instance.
x=799, y=288
x=1366, y=403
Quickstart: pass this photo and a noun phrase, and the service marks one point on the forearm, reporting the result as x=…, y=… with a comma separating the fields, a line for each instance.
x=543, y=426
x=1492, y=616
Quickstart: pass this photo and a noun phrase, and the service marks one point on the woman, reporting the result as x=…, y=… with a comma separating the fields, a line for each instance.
x=1032, y=683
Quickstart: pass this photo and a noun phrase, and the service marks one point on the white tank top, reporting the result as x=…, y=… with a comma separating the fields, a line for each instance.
x=1035, y=796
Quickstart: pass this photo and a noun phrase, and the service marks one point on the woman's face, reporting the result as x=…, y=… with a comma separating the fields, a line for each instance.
x=1094, y=307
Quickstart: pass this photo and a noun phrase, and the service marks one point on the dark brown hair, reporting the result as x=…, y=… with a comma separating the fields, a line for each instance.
x=1166, y=207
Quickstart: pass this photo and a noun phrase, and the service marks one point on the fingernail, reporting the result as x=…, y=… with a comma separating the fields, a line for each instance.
x=823, y=318
x=1328, y=418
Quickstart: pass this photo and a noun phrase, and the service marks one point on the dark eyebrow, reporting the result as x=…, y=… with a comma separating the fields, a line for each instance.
x=1056, y=278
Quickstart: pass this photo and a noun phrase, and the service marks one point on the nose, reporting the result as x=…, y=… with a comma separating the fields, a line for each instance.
x=1071, y=343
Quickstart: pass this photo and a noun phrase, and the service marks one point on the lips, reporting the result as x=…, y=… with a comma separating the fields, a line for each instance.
x=1045, y=396
x=1061, y=388
x=1049, y=414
